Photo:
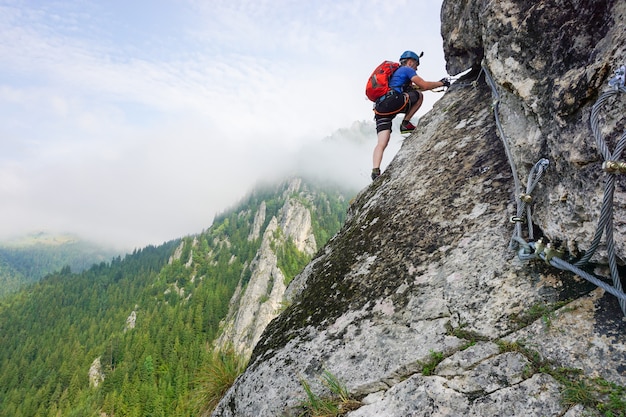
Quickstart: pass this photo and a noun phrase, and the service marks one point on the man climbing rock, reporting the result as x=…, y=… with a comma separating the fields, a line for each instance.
x=405, y=97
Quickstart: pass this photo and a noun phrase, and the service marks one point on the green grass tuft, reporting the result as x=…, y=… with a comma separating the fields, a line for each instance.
x=337, y=404
x=218, y=376
x=429, y=366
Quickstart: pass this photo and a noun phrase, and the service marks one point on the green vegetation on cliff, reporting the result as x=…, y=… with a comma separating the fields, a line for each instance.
x=55, y=330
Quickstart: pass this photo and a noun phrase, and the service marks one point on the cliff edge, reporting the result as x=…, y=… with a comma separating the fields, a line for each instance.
x=421, y=305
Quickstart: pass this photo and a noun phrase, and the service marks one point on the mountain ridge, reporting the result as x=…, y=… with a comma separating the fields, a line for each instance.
x=133, y=336
x=28, y=258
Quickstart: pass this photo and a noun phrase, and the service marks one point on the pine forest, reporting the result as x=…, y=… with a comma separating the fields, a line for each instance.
x=133, y=336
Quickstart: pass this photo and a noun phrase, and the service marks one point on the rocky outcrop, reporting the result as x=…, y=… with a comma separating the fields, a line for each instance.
x=131, y=321
x=418, y=305
x=260, y=299
x=259, y=219
x=551, y=60
x=96, y=374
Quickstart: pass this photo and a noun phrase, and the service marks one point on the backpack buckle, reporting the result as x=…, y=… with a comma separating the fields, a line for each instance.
x=383, y=97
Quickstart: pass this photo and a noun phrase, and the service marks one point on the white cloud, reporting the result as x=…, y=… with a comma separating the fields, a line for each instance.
x=136, y=123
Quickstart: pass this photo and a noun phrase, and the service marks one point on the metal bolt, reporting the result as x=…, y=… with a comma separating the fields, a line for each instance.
x=526, y=198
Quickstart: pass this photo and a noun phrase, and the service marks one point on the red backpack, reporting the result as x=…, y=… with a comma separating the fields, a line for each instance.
x=378, y=83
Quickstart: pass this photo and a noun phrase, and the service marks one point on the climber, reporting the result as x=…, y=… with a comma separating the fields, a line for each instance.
x=404, y=82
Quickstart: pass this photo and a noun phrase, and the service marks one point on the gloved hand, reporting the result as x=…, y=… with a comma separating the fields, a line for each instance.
x=445, y=82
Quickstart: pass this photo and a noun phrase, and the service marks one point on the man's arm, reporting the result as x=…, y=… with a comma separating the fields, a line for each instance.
x=425, y=85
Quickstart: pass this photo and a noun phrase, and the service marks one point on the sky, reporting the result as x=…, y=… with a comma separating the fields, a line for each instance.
x=134, y=122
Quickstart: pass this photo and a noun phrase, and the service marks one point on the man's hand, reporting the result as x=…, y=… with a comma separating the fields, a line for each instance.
x=445, y=82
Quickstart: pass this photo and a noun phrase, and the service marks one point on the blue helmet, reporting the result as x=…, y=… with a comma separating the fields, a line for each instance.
x=410, y=55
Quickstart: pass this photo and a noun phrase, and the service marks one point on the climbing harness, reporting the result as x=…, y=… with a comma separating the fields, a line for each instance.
x=453, y=82
x=456, y=83
x=612, y=166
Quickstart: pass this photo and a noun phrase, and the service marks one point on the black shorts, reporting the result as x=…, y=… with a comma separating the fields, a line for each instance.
x=391, y=105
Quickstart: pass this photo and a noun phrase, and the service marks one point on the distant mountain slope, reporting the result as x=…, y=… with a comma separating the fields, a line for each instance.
x=290, y=236
x=29, y=258
x=131, y=337
x=10, y=279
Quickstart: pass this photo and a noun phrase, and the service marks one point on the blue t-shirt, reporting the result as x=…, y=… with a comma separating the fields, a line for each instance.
x=401, y=78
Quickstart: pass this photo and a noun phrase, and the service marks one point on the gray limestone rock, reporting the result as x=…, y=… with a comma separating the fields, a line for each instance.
x=258, y=301
x=423, y=269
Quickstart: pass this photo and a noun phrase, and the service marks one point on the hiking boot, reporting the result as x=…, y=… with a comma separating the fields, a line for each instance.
x=375, y=173
x=406, y=127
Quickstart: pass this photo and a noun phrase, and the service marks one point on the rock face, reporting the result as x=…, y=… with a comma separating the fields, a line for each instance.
x=551, y=60
x=419, y=305
x=96, y=375
x=131, y=321
x=258, y=301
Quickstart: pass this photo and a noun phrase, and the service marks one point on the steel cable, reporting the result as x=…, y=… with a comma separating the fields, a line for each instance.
x=503, y=138
x=529, y=251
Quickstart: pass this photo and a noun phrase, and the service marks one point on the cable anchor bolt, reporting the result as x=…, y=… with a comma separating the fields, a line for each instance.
x=619, y=79
x=614, y=167
x=551, y=252
x=526, y=198
x=540, y=245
